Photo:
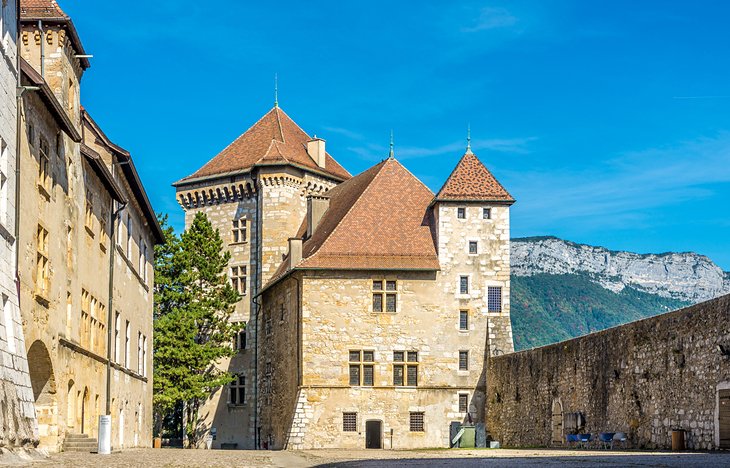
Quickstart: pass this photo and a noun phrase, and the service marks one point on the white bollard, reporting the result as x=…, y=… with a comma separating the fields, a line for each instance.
x=105, y=434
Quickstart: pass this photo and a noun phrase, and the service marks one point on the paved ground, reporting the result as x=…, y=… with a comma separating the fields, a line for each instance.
x=381, y=458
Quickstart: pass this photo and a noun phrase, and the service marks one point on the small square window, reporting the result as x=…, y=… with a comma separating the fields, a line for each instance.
x=486, y=213
x=416, y=422
x=390, y=285
x=368, y=356
x=354, y=356
x=349, y=422
x=463, y=320
x=472, y=247
x=461, y=213
x=463, y=360
x=412, y=356
x=398, y=356
x=463, y=285
x=377, y=285
x=463, y=402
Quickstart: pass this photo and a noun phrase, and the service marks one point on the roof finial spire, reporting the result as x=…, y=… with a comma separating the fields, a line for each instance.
x=468, y=138
x=276, y=90
x=391, y=155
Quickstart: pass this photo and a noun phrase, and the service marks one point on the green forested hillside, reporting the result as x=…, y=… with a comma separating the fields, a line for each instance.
x=549, y=308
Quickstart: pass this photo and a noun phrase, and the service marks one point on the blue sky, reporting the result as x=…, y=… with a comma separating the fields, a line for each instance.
x=608, y=120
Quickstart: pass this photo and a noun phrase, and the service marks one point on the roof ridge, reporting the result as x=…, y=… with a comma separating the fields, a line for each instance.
x=349, y=210
x=302, y=130
x=278, y=122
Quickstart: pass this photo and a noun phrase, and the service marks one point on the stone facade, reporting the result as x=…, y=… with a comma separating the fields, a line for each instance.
x=304, y=396
x=644, y=378
x=17, y=415
x=271, y=203
x=70, y=188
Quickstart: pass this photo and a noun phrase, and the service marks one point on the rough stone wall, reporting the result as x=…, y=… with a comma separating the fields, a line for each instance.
x=17, y=415
x=644, y=378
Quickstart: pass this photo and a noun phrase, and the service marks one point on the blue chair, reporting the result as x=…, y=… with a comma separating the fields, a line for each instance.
x=585, y=439
x=619, y=437
x=606, y=439
x=572, y=439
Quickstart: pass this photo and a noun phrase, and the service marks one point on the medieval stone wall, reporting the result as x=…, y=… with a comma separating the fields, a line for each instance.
x=17, y=415
x=644, y=378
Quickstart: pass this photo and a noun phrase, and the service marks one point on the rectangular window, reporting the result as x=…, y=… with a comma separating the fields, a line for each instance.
x=117, y=328
x=237, y=390
x=146, y=261
x=130, y=236
x=389, y=296
x=463, y=285
x=4, y=159
x=139, y=353
x=140, y=260
x=473, y=247
x=44, y=169
x=486, y=213
x=405, y=368
x=494, y=299
x=463, y=360
x=361, y=371
x=89, y=213
x=42, y=267
x=144, y=356
x=103, y=237
x=240, y=340
x=461, y=213
x=349, y=422
x=416, y=422
x=463, y=320
x=238, y=279
x=238, y=231
x=127, y=339
x=463, y=402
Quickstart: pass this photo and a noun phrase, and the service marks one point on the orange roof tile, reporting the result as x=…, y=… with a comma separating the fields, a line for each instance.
x=41, y=9
x=472, y=181
x=274, y=139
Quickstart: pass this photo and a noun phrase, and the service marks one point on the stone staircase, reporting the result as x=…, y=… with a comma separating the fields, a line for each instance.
x=80, y=443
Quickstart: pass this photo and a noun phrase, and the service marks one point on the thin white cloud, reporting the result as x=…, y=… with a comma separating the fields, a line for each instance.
x=492, y=18
x=345, y=132
x=373, y=152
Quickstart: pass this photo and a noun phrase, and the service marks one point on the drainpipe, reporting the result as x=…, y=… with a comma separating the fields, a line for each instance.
x=43, y=50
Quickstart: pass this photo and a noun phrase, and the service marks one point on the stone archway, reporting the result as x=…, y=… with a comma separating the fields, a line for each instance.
x=557, y=423
x=43, y=382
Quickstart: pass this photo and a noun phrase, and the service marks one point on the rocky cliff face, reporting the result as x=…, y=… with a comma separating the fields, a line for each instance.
x=682, y=276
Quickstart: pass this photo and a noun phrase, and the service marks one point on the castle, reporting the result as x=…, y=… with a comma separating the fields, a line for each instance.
x=370, y=303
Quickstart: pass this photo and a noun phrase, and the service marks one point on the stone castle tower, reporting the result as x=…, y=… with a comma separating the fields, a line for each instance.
x=255, y=193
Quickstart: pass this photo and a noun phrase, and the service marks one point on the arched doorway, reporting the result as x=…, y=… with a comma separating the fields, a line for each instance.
x=557, y=422
x=43, y=382
x=71, y=405
x=85, y=426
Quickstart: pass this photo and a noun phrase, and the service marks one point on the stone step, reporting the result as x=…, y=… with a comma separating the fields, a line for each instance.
x=80, y=449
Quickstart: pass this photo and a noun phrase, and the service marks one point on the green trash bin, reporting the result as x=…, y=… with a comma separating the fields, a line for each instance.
x=468, y=440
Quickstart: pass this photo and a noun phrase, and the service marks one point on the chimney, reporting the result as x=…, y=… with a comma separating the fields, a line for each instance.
x=317, y=205
x=315, y=148
x=295, y=251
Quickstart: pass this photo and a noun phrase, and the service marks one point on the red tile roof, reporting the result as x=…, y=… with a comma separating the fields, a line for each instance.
x=274, y=139
x=472, y=181
x=378, y=220
x=41, y=9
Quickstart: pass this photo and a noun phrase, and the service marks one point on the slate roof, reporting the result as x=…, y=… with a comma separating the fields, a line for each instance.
x=471, y=181
x=275, y=139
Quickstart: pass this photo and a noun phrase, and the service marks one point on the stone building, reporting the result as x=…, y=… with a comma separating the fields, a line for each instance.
x=372, y=303
x=85, y=294
x=17, y=418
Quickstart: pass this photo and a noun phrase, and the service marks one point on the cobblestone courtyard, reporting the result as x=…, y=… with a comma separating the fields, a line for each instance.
x=381, y=458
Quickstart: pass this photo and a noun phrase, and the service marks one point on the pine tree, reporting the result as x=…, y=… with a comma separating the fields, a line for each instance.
x=192, y=327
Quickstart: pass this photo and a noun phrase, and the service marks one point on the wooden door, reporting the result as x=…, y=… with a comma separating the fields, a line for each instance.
x=373, y=434
x=724, y=428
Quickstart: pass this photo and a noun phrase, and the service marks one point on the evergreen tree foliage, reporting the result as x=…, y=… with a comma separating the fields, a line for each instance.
x=193, y=305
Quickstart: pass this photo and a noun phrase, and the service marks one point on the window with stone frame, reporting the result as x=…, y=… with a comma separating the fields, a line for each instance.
x=463, y=360
x=416, y=421
x=349, y=422
x=140, y=258
x=463, y=320
x=89, y=213
x=405, y=368
x=463, y=284
x=239, y=231
x=237, y=390
x=239, y=340
x=461, y=212
x=146, y=262
x=44, y=165
x=463, y=402
x=43, y=282
x=361, y=368
x=130, y=236
x=139, y=353
x=486, y=213
x=84, y=328
x=385, y=296
x=473, y=247
x=494, y=298
x=103, y=236
x=4, y=163
x=238, y=279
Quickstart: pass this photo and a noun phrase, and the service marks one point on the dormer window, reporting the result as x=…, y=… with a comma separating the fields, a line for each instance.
x=486, y=213
x=461, y=212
